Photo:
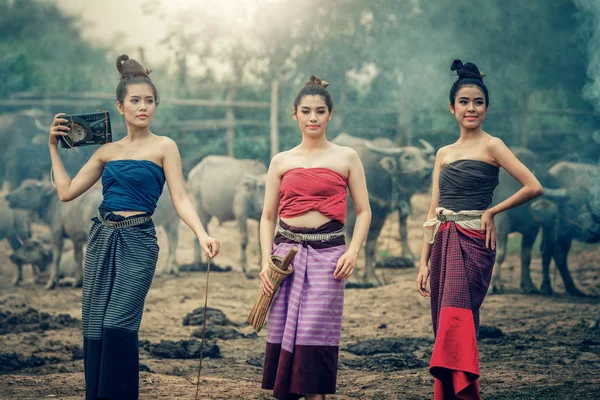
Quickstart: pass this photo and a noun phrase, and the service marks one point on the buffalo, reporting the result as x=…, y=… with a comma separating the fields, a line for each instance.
x=66, y=220
x=20, y=134
x=73, y=220
x=393, y=175
x=526, y=219
x=166, y=216
x=15, y=228
x=578, y=215
x=564, y=213
x=36, y=251
x=24, y=136
x=228, y=189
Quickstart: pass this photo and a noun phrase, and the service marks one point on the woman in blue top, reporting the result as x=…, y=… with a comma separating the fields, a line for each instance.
x=122, y=251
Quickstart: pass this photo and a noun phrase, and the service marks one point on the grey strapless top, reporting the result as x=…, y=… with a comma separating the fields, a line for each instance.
x=467, y=185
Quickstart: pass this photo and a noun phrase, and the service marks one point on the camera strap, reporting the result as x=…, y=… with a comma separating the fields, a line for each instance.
x=72, y=147
x=106, y=125
x=72, y=141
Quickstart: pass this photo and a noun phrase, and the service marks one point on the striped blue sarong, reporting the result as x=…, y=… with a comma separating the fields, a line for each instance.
x=119, y=267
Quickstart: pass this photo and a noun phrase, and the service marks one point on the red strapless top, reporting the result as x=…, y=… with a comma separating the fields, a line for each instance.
x=313, y=189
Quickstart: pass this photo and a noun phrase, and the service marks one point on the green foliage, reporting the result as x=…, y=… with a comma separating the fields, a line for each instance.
x=531, y=52
x=387, y=62
x=42, y=50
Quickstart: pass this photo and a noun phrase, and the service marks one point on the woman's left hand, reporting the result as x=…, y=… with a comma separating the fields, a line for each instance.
x=345, y=265
x=211, y=246
x=488, y=226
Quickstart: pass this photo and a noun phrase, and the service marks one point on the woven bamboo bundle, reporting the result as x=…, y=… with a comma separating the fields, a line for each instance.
x=279, y=269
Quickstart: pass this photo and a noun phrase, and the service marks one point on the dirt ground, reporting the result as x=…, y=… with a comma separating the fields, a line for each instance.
x=534, y=347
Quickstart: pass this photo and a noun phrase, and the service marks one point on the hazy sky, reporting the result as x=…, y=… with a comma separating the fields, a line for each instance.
x=120, y=23
x=124, y=27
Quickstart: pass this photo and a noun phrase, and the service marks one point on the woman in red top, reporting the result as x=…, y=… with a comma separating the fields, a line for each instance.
x=306, y=191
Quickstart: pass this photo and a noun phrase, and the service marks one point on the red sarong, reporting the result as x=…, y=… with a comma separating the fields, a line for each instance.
x=461, y=269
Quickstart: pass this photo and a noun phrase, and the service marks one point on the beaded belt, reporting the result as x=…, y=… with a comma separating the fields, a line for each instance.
x=456, y=217
x=125, y=223
x=309, y=237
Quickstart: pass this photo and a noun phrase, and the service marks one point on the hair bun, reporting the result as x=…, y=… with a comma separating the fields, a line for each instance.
x=467, y=70
x=314, y=81
x=121, y=61
x=456, y=64
x=128, y=67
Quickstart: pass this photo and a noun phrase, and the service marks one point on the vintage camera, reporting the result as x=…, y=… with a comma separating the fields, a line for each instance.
x=87, y=129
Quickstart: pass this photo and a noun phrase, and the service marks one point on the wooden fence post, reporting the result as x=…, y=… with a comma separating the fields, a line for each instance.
x=404, y=117
x=230, y=118
x=274, y=118
x=338, y=119
x=525, y=125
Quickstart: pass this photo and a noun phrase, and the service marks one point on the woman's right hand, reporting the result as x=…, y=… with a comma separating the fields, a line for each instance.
x=266, y=286
x=422, y=280
x=57, y=130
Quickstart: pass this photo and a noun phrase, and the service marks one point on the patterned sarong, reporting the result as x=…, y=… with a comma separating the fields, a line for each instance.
x=305, y=320
x=119, y=267
x=461, y=269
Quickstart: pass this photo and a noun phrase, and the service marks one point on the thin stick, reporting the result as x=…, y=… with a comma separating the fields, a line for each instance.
x=288, y=258
x=203, y=329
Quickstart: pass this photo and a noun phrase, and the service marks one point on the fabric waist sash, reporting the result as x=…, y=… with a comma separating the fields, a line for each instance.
x=309, y=237
x=106, y=217
x=468, y=219
x=125, y=223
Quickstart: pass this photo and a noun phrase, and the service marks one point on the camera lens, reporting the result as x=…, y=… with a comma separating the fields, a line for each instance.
x=78, y=132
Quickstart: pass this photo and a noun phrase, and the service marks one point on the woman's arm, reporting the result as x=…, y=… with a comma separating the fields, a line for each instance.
x=530, y=190
x=268, y=221
x=181, y=201
x=507, y=160
x=69, y=189
x=357, y=185
x=426, y=251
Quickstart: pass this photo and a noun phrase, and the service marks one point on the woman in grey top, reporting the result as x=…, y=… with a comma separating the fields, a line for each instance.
x=460, y=235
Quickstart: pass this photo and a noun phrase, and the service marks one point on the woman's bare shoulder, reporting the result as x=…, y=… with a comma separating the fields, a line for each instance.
x=279, y=161
x=444, y=150
x=344, y=152
x=104, y=152
x=164, y=140
x=494, y=144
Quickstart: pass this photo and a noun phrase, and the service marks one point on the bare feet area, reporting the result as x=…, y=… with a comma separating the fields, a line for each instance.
x=531, y=346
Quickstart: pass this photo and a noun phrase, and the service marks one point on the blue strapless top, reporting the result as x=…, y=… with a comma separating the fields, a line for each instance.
x=132, y=185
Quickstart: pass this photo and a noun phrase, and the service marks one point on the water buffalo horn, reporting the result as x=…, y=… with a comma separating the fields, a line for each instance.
x=250, y=178
x=557, y=194
x=396, y=151
x=41, y=127
x=428, y=147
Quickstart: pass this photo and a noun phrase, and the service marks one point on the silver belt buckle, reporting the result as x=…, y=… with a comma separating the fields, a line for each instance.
x=123, y=224
x=442, y=218
x=309, y=237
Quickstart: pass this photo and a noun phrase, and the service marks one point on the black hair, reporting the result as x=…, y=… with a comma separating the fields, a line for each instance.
x=132, y=73
x=314, y=87
x=468, y=75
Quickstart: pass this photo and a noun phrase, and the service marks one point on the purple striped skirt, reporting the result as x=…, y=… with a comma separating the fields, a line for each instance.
x=305, y=319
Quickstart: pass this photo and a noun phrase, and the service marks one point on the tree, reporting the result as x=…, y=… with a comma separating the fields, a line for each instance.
x=42, y=50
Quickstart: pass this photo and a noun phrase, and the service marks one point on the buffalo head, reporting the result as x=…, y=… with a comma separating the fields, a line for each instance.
x=31, y=196
x=411, y=166
x=254, y=188
x=33, y=252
